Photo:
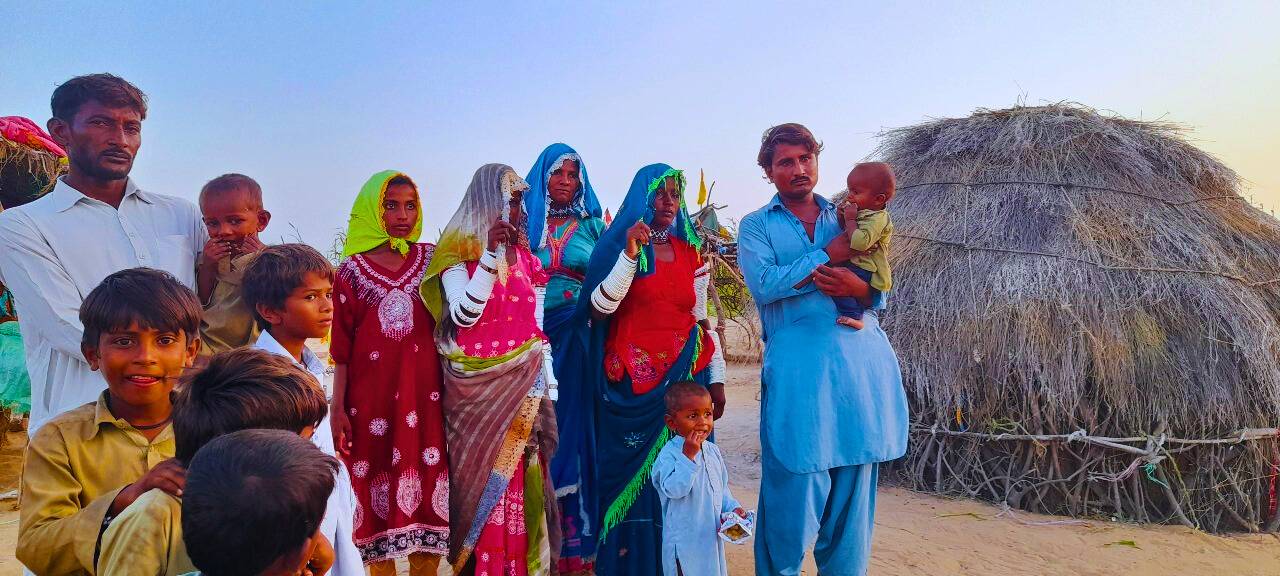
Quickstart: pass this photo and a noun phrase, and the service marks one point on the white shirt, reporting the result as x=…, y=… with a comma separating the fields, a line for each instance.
x=339, y=514
x=57, y=249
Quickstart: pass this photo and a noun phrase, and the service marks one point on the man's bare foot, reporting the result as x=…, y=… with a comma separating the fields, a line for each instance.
x=854, y=323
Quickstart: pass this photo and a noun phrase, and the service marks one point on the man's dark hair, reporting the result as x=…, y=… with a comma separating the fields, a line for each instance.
x=228, y=183
x=680, y=391
x=789, y=133
x=241, y=389
x=107, y=89
x=154, y=299
x=252, y=497
x=276, y=272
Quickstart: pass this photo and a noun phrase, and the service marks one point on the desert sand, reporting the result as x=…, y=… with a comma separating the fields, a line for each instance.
x=919, y=533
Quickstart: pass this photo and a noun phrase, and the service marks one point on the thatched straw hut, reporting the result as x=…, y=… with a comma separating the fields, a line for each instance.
x=29, y=162
x=1088, y=317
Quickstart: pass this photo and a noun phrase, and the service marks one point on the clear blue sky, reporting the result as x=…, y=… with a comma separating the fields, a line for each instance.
x=311, y=99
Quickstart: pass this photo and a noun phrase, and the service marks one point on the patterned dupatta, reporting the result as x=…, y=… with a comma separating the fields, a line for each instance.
x=491, y=420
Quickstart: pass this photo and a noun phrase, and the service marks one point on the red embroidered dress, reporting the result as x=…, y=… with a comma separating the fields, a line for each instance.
x=652, y=324
x=399, y=468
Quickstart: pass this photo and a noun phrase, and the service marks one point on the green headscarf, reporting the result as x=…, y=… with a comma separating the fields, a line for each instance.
x=366, y=230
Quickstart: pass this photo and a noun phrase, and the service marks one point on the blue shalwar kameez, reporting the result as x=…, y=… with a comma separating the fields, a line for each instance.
x=832, y=403
x=694, y=493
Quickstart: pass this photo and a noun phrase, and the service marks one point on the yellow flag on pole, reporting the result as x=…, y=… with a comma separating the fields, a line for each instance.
x=702, y=188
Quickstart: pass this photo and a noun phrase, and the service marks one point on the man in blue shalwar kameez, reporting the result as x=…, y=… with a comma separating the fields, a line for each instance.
x=832, y=403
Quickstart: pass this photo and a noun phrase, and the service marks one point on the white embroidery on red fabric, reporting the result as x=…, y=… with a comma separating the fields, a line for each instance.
x=394, y=298
x=440, y=497
x=380, y=495
x=409, y=492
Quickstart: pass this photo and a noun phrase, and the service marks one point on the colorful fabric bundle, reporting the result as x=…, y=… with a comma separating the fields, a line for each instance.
x=30, y=161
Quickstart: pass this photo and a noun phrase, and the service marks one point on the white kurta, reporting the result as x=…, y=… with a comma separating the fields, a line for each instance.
x=340, y=511
x=57, y=249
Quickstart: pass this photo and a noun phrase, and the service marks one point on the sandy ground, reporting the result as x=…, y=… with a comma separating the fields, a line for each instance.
x=918, y=533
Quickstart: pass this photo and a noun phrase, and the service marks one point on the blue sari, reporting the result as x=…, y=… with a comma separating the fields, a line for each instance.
x=630, y=430
x=574, y=409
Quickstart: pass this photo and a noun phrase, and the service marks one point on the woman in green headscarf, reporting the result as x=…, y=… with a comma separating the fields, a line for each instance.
x=386, y=413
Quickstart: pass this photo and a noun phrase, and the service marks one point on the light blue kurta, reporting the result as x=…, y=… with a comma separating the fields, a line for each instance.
x=693, y=493
x=832, y=396
x=832, y=403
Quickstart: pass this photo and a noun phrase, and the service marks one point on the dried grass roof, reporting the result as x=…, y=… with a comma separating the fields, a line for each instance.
x=26, y=173
x=1081, y=270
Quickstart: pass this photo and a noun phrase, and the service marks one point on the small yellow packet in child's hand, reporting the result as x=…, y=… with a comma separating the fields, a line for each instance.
x=735, y=529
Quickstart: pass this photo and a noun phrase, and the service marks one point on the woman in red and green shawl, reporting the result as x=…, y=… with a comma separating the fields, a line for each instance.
x=641, y=289
x=486, y=290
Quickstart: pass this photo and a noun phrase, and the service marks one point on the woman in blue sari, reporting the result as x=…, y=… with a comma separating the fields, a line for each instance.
x=644, y=335
x=564, y=226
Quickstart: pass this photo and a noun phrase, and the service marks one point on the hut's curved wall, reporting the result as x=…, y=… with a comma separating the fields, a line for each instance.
x=1057, y=270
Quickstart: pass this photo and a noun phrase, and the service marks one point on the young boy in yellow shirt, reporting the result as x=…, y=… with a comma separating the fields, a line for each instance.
x=86, y=465
x=238, y=390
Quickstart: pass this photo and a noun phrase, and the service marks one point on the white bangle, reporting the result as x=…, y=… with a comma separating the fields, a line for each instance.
x=718, y=367
x=613, y=289
x=466, y=305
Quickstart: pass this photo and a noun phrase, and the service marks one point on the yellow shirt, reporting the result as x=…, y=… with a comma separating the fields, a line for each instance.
x=227, y=322
x=872, y=237
x=146, y=539
x=76, y=464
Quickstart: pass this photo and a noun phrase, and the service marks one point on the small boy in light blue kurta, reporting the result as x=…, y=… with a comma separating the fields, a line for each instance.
x=693, y=484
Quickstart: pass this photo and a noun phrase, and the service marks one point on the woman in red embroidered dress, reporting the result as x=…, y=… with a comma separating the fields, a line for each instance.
x=387, y=412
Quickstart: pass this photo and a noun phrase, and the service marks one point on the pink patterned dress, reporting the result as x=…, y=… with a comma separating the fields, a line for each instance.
x=398, y=464
x=507, y=324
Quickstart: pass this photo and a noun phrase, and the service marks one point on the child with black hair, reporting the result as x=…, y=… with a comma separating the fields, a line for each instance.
x=232, y=212
x=238, y=390
x=254, y=504
x=86, y=465
x=693, y=485
x=863, y=215
x=289, y=287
